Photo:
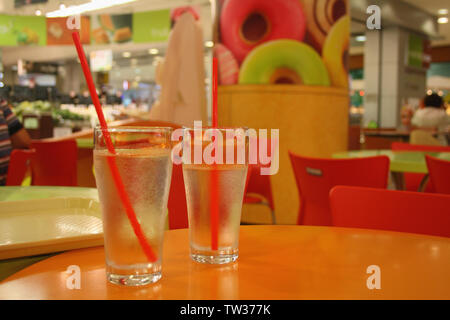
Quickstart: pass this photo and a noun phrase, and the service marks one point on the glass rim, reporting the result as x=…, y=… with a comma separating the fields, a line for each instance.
x=132, y=129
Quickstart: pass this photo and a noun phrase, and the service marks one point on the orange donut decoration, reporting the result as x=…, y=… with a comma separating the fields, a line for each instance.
x=228, y=66
x=321, y=16
x=246, y=24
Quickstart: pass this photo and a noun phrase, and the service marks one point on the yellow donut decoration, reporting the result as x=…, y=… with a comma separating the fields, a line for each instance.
x=335, y=52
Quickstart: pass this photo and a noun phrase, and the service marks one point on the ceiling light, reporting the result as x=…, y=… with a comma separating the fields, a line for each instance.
x=126, y=54
x=442, y=11
x=443, y=20
x=360, y=38
x=153, y=51
x=86, y=7
x=209, y=44
x=62, y=6
x=38, y=12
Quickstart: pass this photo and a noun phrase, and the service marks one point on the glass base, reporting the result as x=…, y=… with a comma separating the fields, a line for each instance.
x=214, y=259
x=133, y=280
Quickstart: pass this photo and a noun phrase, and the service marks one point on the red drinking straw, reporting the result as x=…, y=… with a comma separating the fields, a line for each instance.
x=112, y=160
x=214, y=93
x=214, y=206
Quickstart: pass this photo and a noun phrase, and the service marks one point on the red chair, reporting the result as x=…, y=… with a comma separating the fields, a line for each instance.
x=54, y=163
x=413, y=180
x=439, y=171
x=259, y=188
x=19, y=162
x=316, y=177
x=178, y=217
x=402, y=211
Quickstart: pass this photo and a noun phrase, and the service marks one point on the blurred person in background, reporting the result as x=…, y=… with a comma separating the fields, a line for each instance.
x=103, y=95
x=433, y=116
x=118, y=97
x=73, y=97
x=12, y=136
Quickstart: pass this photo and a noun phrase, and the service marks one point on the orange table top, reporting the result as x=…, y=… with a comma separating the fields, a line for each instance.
x=276, y=262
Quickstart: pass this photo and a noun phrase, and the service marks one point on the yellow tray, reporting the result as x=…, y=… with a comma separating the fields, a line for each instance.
x=40, y=226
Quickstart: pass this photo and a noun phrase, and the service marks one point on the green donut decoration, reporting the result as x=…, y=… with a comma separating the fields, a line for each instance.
x=284, y=61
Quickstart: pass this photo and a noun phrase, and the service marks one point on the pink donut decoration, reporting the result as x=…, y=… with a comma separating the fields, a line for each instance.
x=244, y=24
x=228, y=66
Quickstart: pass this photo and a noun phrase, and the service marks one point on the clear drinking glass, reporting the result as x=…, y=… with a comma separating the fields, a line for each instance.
x=214, y=180
x=143, y=159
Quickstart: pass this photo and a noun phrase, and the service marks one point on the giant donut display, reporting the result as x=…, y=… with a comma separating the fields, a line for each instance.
x=284, y=61
x=298, y=42
x=246, y=24
x=335, y=51
x=321, y=15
